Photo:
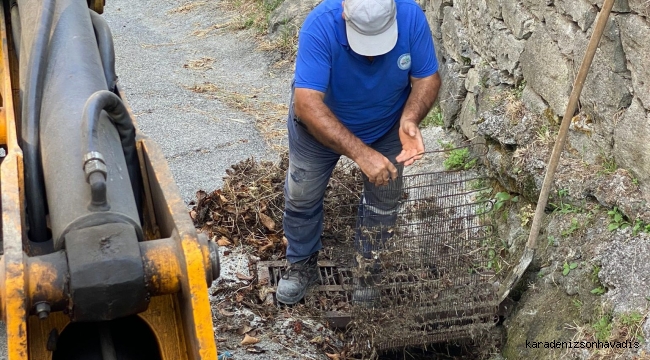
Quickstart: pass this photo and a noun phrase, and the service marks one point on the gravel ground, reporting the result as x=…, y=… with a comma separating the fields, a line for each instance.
x=201, y=136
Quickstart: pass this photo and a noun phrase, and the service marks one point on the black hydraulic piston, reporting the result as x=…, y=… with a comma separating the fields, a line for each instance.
x=73, y=73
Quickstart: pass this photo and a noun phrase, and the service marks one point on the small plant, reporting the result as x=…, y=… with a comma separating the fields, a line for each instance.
x=609, y=166
x=503, y=198
x=566, y=268
x=573, y=228
x=445, y=145
x=519, y=89
x=562, y=207
x=494, y=254
x=616, y=220
x=459, y=159
x=526, y=213
x=630, y=319
x=631, y=324
x=551, y=241
x=599, y=290
x=639, y=227
x=433, y=118
x=577, y=303
x=635, y=181
x=603, y=327
x=545, y=134
x=594, y=275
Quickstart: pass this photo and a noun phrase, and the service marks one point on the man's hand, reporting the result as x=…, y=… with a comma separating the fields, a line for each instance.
x=424, y=92
x=412, y=143
x=376, y=166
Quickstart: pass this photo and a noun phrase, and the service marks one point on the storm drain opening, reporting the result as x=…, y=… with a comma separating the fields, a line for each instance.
x=412, y=263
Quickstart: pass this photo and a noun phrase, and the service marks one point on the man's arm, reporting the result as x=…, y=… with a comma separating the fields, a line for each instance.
x=424, y=92
x=329, y=131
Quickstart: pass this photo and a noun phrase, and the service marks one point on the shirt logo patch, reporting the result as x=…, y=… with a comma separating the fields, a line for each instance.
x=404, y=61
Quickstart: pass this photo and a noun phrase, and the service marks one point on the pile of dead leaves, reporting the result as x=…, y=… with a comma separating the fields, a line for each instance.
x=248, y=208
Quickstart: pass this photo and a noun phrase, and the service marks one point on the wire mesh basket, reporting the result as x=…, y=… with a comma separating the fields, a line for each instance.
x=420, y=257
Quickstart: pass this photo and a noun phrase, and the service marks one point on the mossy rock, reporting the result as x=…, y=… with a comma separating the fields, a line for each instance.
x=541, y=315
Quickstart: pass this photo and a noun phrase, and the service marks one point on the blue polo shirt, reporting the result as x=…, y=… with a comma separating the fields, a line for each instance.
x=366, y=96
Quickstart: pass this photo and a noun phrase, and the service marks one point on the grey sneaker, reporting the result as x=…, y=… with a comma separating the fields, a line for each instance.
x=295, y=281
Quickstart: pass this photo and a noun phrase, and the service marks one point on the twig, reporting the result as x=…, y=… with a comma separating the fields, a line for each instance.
x=295, y=352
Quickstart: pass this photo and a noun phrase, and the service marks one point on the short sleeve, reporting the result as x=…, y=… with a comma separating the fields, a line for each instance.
x=423, y=55
x=313, y=62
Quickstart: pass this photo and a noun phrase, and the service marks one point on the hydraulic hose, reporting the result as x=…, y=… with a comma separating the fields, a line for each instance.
x=106, y=48
x=15, y=27
x=30, y=126
x=94, y=165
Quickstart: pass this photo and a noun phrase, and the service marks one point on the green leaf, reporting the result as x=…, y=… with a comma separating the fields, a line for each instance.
x=598, y=291
x=573, y=265
x=566, y=271
x=612, y=226
x=503, y=196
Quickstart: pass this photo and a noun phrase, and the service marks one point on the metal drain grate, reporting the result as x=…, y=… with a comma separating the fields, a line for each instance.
x=332, y=296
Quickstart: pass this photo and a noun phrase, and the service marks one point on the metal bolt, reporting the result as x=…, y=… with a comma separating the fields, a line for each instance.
x=43, y=310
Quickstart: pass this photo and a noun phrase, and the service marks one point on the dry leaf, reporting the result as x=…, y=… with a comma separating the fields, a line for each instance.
x=239, y=297
x=249, y=340
x=193, y=215
x=266, y=247
x=297, y=327
x=244, y=329
x=226, y=313
x=241, y=276
x=200, y=195
x=285, y=242
x=255, y=349
x=224, y=241
x=317, y=340
x=333, y=356
x=267, y=222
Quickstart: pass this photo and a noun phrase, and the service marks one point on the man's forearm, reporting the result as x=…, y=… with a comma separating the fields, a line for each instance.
x=324, y=126
x=424, y=92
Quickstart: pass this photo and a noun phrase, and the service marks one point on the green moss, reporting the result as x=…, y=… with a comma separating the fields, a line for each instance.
x=541, y=316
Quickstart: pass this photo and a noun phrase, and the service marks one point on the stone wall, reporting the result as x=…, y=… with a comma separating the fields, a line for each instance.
x=534, y=48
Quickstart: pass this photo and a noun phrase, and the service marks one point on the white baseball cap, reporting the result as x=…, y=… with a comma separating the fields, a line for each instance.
x=371, y=26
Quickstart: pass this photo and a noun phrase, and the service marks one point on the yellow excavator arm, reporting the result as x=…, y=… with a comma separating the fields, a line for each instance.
x=100, y=257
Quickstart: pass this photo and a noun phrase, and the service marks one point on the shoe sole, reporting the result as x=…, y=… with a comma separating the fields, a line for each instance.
x=290, y=300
